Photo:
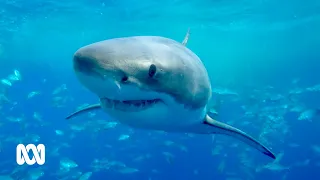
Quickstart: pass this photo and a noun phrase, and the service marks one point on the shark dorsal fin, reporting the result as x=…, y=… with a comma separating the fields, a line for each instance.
x=186, y=38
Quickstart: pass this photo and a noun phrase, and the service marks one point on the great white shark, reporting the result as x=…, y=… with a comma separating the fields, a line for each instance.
x=152, y=82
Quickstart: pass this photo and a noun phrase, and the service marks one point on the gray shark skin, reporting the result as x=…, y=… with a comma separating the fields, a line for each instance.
x=152, y=82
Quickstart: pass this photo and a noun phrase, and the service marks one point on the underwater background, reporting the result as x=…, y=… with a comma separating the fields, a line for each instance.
x=262, y=57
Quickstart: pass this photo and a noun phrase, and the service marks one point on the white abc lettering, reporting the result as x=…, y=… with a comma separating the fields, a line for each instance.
x=38, y=154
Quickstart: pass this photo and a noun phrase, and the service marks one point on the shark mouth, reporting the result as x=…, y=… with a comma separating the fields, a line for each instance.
x=129, y=105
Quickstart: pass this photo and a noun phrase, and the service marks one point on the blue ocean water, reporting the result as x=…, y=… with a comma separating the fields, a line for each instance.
x=262, y=58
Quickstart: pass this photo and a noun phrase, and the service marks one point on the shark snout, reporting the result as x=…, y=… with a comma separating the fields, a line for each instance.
x=91, y=73
x=84, y=63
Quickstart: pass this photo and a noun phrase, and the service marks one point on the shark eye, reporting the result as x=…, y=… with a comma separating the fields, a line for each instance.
x=124, y=78
x=152, y=70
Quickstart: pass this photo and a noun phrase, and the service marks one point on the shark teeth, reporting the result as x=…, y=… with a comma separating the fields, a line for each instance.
x=128, y=105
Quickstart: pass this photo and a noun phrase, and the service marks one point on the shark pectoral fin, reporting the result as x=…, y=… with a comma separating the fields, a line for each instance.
x=84, y=109
x=186, y=38
x=214, y=108
x=216, y=127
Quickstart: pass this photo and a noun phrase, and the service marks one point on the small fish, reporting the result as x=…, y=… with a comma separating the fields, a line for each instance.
x=6, y=82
